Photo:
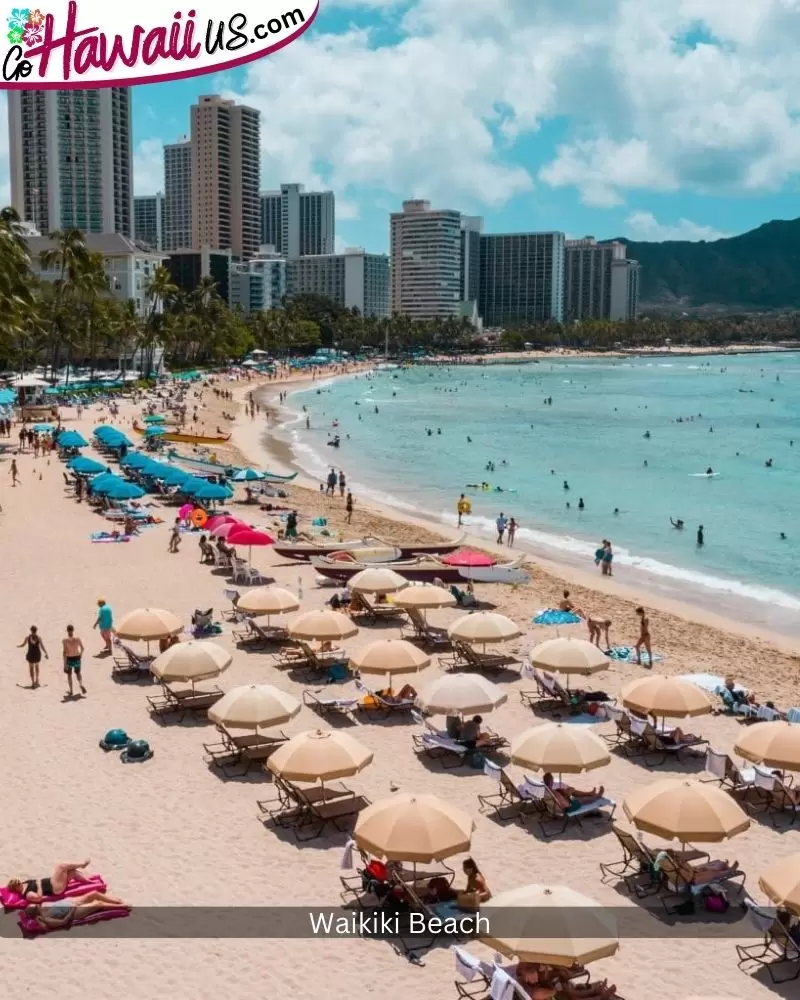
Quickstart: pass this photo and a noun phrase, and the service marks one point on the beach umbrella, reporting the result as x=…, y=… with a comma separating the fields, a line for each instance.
x=319, y=755
x=569, y=656
x=773, y=744
x=134, y=460
x=376, y=580
x=267, y=601
x=43, y=428
x=553, y=925
x=223, y=530
x=152, y=432
x=85, y=466
x=468, y=557
x=325, y=626
x=424, y=596
x=242, y=535
x=408, y=827
x=483, y=627
x=147, y=624
x=685, y=811
x=563, y=749
x=71, y=439
x=121, y=491
x=390, y=657
x=781, y=883
x=461, y=694
x=210, y=491
x=191, y=661
x=191, y=484
x=248, y=476
x=154, y=418
x=115, y=439
x=254, y=707
x=172, y=475
x=665, y=698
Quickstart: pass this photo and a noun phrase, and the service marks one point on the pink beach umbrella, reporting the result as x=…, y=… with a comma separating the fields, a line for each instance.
x=224, y=530
x=468, y=557
x=185, y=511
x=242, y=535
x=217, y=519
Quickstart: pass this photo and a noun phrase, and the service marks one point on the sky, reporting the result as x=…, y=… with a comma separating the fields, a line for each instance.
x=649, y=119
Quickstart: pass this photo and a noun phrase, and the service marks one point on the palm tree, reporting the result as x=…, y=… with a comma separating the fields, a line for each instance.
x=68, y=257
x=159, y=291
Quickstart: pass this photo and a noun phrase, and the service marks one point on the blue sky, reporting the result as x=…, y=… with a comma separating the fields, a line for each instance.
x=653, y=120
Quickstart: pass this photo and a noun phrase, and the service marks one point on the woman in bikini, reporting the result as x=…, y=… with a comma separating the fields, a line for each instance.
x=33, y=654
x=54, y=916
x=34, y=890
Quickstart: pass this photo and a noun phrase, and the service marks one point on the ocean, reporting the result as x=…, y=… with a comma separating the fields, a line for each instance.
x=632, y=438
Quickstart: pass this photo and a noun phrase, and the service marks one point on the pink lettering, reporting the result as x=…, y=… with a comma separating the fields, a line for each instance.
x=155, y=46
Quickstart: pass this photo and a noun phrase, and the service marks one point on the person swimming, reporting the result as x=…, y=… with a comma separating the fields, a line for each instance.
x=709, y=471
x=677, y=524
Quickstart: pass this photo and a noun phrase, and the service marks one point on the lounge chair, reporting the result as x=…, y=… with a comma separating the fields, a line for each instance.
x=435, y=914
x=300, y=654
x=130, y=666
x=184, y=701
x=430, y=729
x=776, y=948
x=466, y=657
x=552, y=812
x=476, y=975
x=552, y=696
x=772, y=794
x=232, y=614
x=748, y=714
x=727, y=774
x=637, y=862
x=418, y=630
x=654, y=743
x=241, y=748
x=507, y=794
x=323, y=703
x=447, y=751
x=375, y=878
x=314, y=806
x=793, y=715
x=676, y=879
x=360, y=607
x=374, y=703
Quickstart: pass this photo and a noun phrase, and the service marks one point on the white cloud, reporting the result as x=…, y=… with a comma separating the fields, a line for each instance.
x=645, y=227
x=148, y=167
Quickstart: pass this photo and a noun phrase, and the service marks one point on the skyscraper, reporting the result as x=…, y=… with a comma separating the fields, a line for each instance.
x=70, y=159
x=596, y=281
x=353, y=279
x=521, y=278
x=426, y=253
x=225, y=176
x=298, y=223
x=148, y=220
x=178, y=195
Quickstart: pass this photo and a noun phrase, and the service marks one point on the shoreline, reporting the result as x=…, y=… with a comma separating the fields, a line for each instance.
x=570, y=354
x=260, y=445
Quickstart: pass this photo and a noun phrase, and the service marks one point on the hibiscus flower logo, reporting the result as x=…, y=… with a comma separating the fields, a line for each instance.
x=35, y=18
x=16, y=24
x=32, y=35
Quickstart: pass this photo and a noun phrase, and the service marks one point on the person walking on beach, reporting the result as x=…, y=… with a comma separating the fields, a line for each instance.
x=644, y=639
x=502, y=524
x=512, y=531
x=14, y=472
x=349, y=507
x=33, y=654
x=291, y=524
x=608, y=558
x=462, y=507
x=332, y=479
x=105, y=622
x=175, y=537
x=73, y=654
x=342, y=483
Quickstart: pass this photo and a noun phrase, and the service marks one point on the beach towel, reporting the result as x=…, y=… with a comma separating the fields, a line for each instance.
x=13, y=901
x=502, y=986
x=30, y=927
x=348, y=857
x=105, y=536
x=627, y=654
x=552, y=616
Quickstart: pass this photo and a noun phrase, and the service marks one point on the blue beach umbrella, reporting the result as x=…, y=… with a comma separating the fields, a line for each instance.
x=115, y=439
x=43, y=428
x=7, y=396
x=191, y=484
x=104, y=429
x=172, y=475
x=154, y=418
x=212, y=491
x=85, y=466
x=98, y=482
x=248, y=476
x=71, y=439
x=135, y=460
x=123, y=491
x=152, y=432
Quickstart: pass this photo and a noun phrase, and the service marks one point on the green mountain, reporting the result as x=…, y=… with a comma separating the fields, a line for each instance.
x=757, y=270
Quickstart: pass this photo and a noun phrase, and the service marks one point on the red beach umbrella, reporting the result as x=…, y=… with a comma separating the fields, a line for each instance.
x=224, y=530
x=468, y=557
x=240, y=534
x=217, y=519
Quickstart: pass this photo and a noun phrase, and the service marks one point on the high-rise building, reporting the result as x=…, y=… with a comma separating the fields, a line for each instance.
x=188, y=267
x=178, y=195
x=521, y=278
x=471, y=227
x=597, y=277
x=425, y=246
x=259, y=283
x=70, y=159
x=299, y=223
x=353, y=279
x=225, y=176
x=148, y=219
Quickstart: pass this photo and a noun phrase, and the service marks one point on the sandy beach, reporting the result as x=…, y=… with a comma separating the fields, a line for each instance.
x=173, y=833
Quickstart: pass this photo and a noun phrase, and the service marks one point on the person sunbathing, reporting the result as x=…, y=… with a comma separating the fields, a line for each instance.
x=570, y=799
x=54, y=916
x=566, y=604
x=534, y=981
x=476, y=891
x=472, y=735
x=34, y=890
x=708, y=871
x=406, y=693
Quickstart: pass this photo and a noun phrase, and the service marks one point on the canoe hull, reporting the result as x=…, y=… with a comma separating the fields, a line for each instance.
x=303, y=552
x=178, y=438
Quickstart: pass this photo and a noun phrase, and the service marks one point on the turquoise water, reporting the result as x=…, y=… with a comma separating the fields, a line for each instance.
x=593, y=436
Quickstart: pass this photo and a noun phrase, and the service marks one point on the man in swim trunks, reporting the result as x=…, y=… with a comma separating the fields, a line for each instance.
x=73, y=653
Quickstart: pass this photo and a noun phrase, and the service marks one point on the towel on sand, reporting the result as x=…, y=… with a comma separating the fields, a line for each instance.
x=552, y=616
x=13, y=901
x=627, y=654
x=31, y=927
x=106, y=536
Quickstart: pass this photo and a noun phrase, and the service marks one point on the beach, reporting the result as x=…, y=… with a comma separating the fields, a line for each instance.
x=172, y=833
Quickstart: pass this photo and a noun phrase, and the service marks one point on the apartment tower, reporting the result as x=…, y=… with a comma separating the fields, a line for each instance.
x=148, y=220
x=71, y=160
x=225, y=176
x=426, y=261
x=521, y=278
x=298, y=223
x=599, y=281
x=178, y=195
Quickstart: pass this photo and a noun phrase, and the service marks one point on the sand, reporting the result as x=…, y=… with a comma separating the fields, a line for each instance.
x=171, y=832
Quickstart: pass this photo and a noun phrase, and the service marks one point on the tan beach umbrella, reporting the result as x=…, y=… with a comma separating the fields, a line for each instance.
x=563, y=749
x=377, y=580
x=420, y=828
x=191, y=661
x=552, y=925
x=148, y=623
x=461, y=694
x=685, y=811
x=390, y=657
x=569, y=656
x=781, y=883
x=424, y=596
x=254, y=707
x=774, y=744
x=325, y=626
x=267, y=601
x=319, y=755
x=665, y=697
x=483, y=627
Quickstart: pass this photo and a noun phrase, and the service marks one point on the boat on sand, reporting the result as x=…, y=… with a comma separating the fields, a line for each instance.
x=303, y=551
x=423, y=569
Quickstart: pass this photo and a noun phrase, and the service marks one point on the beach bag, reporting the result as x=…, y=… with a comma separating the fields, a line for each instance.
x=715, y=901
x=477, y=760
x=338, y=673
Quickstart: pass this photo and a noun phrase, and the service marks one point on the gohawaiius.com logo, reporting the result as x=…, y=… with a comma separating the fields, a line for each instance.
x=94, y=43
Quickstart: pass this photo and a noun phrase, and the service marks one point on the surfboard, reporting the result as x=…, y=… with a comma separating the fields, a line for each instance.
x=704, y=475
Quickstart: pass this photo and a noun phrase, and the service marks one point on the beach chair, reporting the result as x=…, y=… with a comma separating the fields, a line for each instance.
x=749, y=714
x=477, y=978
x=726, y=774
x=636, y=869
x=552, y=812
x=447, y=751
x=130, y=666
x=773, y=795
x=507, y=795
x=244, y=749
x=675, y=880
x=430, y=729
x=360, y=607
x=183, y=701
x=232, y=614
x=374, y=703
x=325, y=704
x=466, y=657
x=776, y=947
x=418, y=630
x=435, y=916
x=297, y=653
x=793, y=715
x=654, y=743
x=319, y=813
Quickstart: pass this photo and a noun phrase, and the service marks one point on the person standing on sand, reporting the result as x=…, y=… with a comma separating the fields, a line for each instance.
x=501, y=523
x=644, y=639
x=462, y=507
x=175, y=537
x=14, y=472
x=608, y=558
x=105, y=622
x=349, y=507
x=342, y=483
x=33, y=654
x=512, y=531
x=73, y=653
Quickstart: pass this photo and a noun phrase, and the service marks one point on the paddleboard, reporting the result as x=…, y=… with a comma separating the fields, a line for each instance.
x=494, y=574
x=704, y=475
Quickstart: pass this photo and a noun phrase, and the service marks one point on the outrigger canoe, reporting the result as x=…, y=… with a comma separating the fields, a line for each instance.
x=305, y=551
x=217, y=468
x=178, y=438
x=422, y=570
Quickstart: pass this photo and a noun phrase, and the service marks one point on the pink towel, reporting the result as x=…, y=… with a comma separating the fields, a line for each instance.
x=13, y=901
x=31, y=927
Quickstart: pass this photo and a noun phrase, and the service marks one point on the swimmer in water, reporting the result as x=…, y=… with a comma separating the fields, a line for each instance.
x=566, y=485
x=783, y=536
x=581, y=504
x=647, y=434
x=709, y=471
x=616, y=510
x=701, y=540
x=768, y=463
x=677, y=524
